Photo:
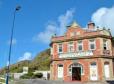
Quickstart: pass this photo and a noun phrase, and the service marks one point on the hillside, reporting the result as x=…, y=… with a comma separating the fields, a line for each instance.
x=40, y=62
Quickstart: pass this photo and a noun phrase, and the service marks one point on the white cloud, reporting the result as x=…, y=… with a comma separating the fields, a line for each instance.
x=58, y=27
x=104, y=17
x=45, y=36
x=64, y=20
x=14, y=41
x=26, y=56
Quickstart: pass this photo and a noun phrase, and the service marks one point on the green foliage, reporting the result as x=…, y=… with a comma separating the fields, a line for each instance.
x=2, y=80
x=16, y=69
x=38, y=75
x=30, y=75
x=27, y=76
x=40, y=62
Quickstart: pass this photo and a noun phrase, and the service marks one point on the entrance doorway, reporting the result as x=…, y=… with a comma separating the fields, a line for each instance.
x=60, y=71
x=93, y=72
x=76, y=73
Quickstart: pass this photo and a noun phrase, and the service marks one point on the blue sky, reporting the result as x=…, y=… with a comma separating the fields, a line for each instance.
x=38, y=20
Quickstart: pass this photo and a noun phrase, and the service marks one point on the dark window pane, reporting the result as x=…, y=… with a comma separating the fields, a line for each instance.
x=80, y=47
x=60, y=65
x=92, y=46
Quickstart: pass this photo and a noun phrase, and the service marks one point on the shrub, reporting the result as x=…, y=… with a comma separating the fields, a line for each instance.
x=38, y=75
x=27, y=76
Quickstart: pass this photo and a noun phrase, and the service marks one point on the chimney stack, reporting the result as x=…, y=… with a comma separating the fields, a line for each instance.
x=91, y=25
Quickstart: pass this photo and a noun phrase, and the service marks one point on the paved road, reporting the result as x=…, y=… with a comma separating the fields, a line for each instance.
x=34, y=81
x=39, y=81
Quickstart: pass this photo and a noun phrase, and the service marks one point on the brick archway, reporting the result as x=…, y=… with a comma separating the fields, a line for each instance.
x=75, y=70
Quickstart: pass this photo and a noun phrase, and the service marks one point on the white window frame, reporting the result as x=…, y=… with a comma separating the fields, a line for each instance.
x=106, y=42
x=79, y=45
x=59, y=47
x=51, y=49
x=94, y=42
x=79, y=65
x=69, y=45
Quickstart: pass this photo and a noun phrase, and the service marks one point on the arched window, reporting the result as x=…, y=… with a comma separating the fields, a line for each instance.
x=76, y=65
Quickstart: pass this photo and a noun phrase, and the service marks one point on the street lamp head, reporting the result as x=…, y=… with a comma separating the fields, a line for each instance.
x=18, y=8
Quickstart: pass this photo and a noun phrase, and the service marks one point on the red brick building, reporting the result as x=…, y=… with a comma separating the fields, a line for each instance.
x=82, y=54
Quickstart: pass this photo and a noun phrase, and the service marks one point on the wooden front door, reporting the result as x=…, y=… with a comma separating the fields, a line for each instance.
x=76, y=73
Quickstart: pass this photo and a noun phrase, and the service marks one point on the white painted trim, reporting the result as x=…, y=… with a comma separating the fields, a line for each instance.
x=107, y=44
x=107, y=72
x=51, y=50
x=81, y=66
x=58, y=48
x=80, y=44
x=62, y=71
x=96, y=69
x=92, y=43
x=68, y=46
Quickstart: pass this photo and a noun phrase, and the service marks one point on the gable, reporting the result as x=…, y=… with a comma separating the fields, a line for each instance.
x=74, y=31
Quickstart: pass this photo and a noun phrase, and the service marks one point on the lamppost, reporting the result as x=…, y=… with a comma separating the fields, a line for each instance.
x=10, y=47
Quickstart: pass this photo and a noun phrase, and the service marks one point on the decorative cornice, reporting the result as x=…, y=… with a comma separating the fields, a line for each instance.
x=84, y=57
x=81, y=38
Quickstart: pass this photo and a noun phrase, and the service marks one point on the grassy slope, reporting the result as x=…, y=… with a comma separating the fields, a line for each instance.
x=40, y=62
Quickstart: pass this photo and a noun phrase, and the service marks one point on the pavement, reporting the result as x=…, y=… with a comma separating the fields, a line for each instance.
x=39, y=81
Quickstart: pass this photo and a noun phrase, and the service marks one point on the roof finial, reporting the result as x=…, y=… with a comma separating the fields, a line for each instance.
x=74, y=24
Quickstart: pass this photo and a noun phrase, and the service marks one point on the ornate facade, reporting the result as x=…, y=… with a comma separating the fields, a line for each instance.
x=82, y=54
